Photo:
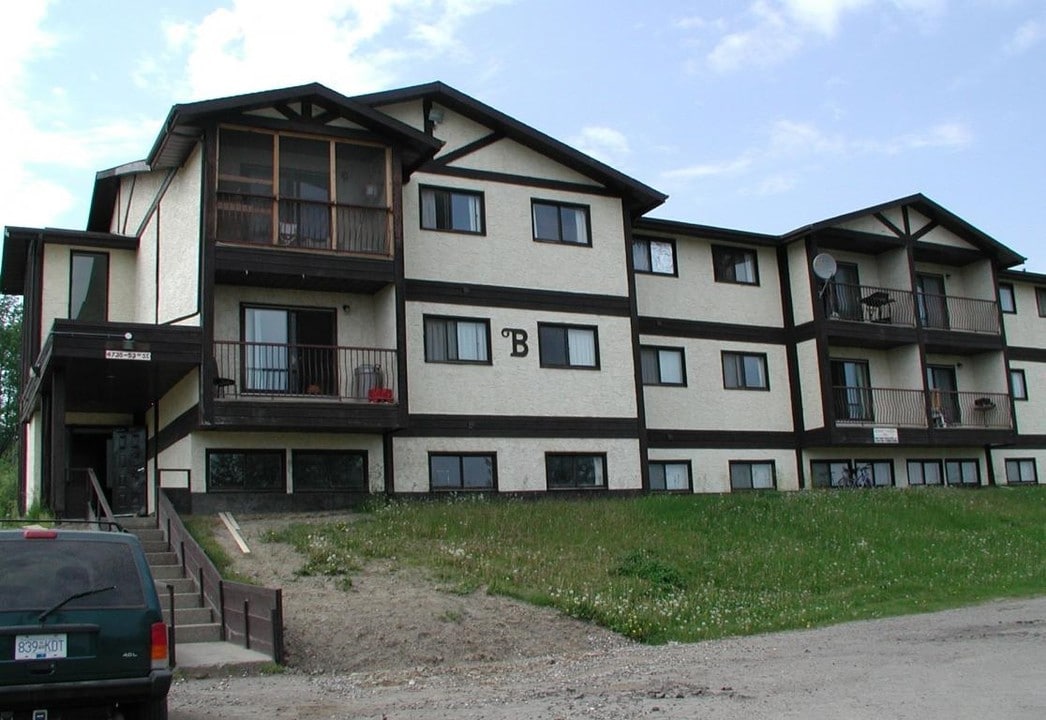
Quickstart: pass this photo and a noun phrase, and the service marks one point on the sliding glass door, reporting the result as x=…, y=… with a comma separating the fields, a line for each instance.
x=289, y=351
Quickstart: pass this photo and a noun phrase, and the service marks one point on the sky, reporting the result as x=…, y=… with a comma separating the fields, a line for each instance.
x=758, y=115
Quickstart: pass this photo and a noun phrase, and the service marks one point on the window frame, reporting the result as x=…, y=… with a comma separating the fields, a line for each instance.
x=961, y=464
x=422, y=189
x=560, y=206
x=658, y=349
x=922, y=463
x=299, y=452
x=1023, y=396
x=282, y=454
x=543, y=326
x=484, y=322
x=250, y=372
x=851, y=465
x=720, y=276
x=750, y=465
x=575, y=486
x=1012, y=292
x=651, y=464
x=493, y=456
x=648, y=239
x=1020, y=462
x=1040, y=300
x=744, y=385
x=96, y=257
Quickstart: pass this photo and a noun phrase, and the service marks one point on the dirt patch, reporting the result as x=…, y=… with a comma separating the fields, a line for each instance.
x=395, y=619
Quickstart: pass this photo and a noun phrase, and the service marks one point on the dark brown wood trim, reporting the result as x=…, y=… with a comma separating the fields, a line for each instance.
x=725, y=439
x=1027, y=354
x=925, y=229
x=695, y=329
x=791, y=348
x=520, y=426
x=637, y=361
x=178, y=428
x=207, y=260
x=893, y=228
x=468, y=149
x=518, y=298
x=399, y=274
x=518, y=180
x=91, y=240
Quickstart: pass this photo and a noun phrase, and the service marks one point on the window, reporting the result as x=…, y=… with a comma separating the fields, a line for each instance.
x=325, y=470
x=454, y=210
x=457, y=340
x=463, y=471
x=1040, y=298
x=568, y=346
x=559, y=222
x=745, y=371
x=1007, y=299
x=245, y=471
x=301, y=192
x=749, y=475
x=89, y=286
x=670, y=475
x=925, y=472
x=662, y=366
x=654, y=256
x=564, y=471
x=734, y=265
x=962, y=472
x=1021, y=470
x=856, y=473
x=851, y=391
x=290, y=351
x=1018, y=385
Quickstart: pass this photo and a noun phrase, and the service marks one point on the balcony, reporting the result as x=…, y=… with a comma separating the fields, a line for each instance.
x=272, y=371
x=907, y=309
x=245, y=219
x=937, y=409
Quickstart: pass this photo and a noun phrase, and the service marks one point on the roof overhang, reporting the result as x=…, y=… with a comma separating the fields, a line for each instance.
x=17, y=242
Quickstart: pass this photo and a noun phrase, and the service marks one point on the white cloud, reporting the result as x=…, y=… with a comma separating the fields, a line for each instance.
x=725, y=167
x=602, y=143
x=1028, y=35
x=821, y=16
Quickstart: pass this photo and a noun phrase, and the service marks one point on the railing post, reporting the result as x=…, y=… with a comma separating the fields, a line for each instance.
x=203, y=597
x=247, y=623
x=221, y=609
x=172, y=635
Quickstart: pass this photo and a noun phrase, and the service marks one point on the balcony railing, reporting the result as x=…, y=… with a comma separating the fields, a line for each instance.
x=310, y=225
x=890, y=306
x=323, y=372
x=919, y=408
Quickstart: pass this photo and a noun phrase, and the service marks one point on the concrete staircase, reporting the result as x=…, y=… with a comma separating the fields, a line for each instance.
x=194, y=620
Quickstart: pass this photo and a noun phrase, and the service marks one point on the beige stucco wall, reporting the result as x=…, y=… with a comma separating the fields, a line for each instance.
x=999, y=458
x=519, y=385
x=899, y=368
x=55, y=297
x=695, y=295
x=520, y=462
x=372, y=444
x=507, y=254
x=509, y=157
x=179, y=247
x=33, y=439
x=975, y=373
x=1031, y=413
x=137, y=193
x=710, y=468
x=704, y=404
x=810, y=385
x=799, y=277
x=182, y=397
x=1025, y=328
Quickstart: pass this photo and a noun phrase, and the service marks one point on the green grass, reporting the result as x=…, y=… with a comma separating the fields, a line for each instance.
x=687, y=568
x=203, y=529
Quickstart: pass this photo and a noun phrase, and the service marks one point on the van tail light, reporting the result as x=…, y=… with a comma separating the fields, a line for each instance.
x=39, y=534
x=160, y=657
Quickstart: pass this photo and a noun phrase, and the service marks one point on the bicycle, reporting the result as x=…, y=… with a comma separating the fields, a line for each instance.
x=856, y=477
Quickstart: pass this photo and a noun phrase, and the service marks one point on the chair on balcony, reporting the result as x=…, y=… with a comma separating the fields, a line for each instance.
x=220, y=383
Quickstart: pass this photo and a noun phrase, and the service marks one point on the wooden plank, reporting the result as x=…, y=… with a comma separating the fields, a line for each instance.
x=234, y=529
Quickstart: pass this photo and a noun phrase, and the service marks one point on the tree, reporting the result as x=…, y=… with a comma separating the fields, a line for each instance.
x=10, y=369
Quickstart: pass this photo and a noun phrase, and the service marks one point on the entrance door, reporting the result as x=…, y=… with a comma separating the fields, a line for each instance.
x=944, y=395
x=846, y=293
x=126, y=476
x=930, y=301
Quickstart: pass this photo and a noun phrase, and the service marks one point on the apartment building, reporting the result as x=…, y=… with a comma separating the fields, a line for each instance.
x=299, y=298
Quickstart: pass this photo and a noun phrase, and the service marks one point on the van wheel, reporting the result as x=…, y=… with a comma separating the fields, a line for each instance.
x=148, y=710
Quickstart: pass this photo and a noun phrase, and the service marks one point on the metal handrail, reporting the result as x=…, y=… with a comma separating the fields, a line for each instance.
x=938, y=409
x=904, y=308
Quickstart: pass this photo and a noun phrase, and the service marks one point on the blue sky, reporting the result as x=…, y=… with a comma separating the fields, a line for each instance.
x=760, y=115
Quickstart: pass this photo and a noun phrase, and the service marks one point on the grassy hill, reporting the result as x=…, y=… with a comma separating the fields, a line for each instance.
x=685, y=568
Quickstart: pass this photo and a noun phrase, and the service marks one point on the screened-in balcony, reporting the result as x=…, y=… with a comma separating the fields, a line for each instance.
x=904, y=308
x=268, y=371
x=938, y=409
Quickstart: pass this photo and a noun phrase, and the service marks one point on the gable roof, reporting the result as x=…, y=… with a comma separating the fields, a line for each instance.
x=638, y=197
x=924, y=205
x=183, y=125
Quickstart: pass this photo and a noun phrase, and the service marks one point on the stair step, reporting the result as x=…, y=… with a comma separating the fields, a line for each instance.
x=181, y=585
x=184, y=600
x=189, y=616
x=137, y=523
x=149, y=534
x=162, y=558
x=155, y=546
x=167, y=572
x=204, y=632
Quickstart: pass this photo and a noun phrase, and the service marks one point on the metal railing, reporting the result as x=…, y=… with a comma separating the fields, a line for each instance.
x=904, y=308
x=940, y=409
x=274, y=370
x=304, y=224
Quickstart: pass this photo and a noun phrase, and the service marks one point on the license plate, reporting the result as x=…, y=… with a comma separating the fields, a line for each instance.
x=40, y=647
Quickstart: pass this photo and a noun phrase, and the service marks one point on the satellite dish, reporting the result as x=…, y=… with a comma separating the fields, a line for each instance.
x=824, y=266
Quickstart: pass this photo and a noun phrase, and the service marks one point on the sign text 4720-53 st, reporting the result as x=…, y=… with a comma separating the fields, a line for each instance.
x=128, y=355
